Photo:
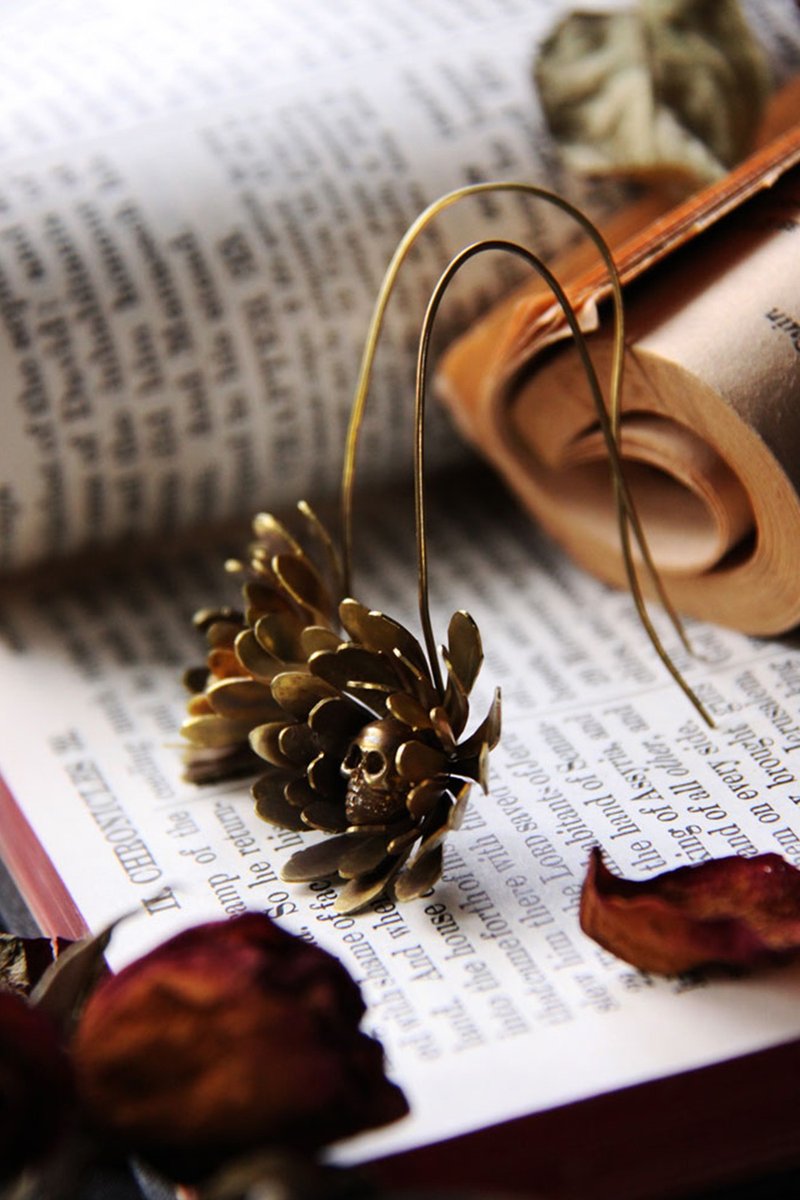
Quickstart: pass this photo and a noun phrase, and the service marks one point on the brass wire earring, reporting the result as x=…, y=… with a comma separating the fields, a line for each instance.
x=608, y=417
x=362, y=737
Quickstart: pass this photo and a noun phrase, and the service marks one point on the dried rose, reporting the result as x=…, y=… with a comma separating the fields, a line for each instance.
x=730, y=911
x=232, y=1037
x=35, y=1086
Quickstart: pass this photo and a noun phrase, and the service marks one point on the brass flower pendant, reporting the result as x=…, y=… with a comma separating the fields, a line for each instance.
x=339, y=701
x=359, y=731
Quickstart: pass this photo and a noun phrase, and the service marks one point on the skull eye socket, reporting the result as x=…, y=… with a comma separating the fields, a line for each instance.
x=352, y=758
x=374, y=762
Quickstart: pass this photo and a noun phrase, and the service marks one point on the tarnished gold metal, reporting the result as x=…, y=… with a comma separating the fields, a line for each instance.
x=609, y=423
x=609, y=418
x=376, y=790
x=388, y=788
x=359, y=734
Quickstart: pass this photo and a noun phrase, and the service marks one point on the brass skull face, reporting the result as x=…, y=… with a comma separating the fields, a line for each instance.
x=375, y=791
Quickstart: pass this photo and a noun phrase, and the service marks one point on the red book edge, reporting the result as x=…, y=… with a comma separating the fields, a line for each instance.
x=665, y=1138
x=34, y=874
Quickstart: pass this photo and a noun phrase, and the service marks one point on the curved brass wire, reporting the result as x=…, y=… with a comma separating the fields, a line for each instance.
x=609, y=418
x=606, y=425
x=625, y=512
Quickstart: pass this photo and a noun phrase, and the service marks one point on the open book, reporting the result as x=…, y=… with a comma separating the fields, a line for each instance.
x=197, y=210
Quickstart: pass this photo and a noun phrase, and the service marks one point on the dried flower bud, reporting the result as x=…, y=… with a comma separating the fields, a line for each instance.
x=35, y=1086
x=231, y=1037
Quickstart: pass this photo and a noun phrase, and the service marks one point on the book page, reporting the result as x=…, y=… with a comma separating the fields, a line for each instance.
x=488, y=977
x=197, y=205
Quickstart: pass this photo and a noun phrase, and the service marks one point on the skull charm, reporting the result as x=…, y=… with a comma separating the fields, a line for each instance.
x=375, y=791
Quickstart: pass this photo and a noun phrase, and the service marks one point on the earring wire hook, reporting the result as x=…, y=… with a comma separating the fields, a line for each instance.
x=609, y=417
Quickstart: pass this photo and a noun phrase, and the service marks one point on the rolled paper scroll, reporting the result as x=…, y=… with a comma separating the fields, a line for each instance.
x=710, y=428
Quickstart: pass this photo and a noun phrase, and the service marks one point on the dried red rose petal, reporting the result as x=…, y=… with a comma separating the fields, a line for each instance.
x=730, y=911
x=231, y=1037
x=35, y=1086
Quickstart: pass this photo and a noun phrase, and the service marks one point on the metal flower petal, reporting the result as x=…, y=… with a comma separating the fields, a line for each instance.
x=289, y=583
x=390, y=778
x=339, y=708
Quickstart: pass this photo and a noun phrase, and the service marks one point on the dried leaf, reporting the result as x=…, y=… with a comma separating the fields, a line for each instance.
x=730, y=911
x=669, y=86
x=64, y=987
x=23, y=961
x=38, y=1106
x=231, y=1038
